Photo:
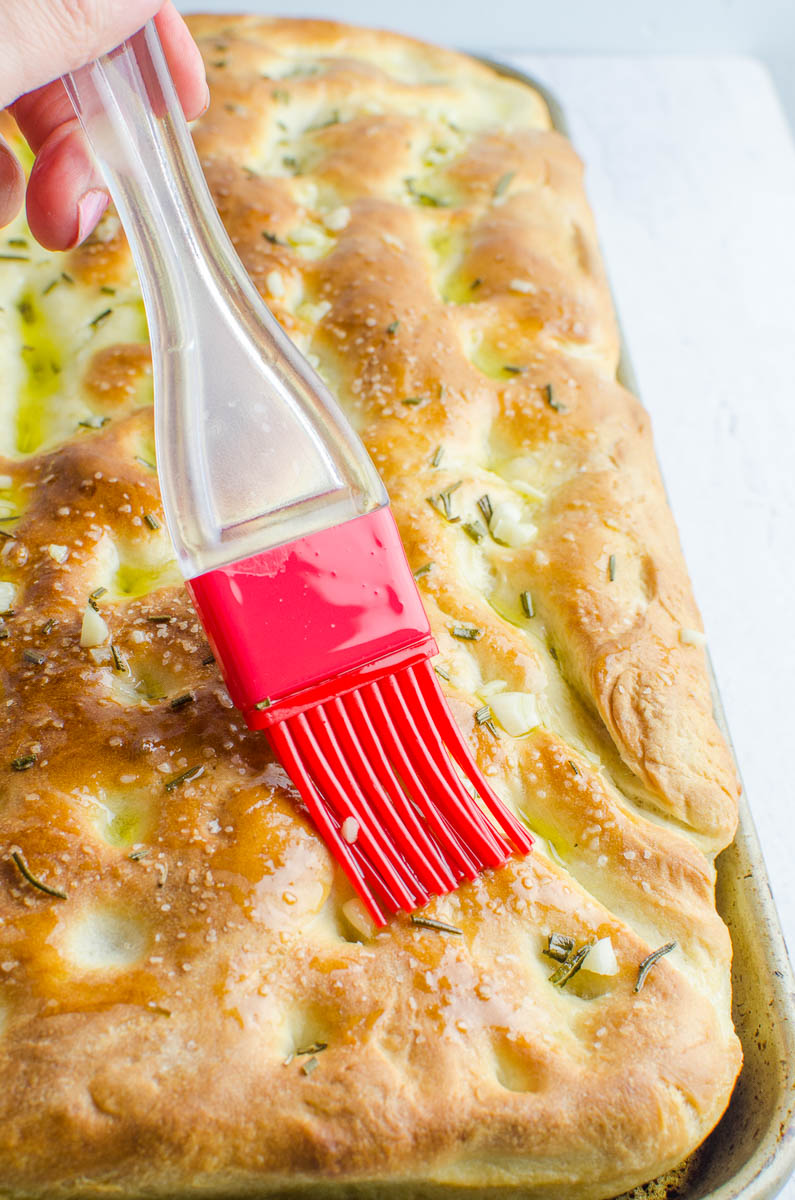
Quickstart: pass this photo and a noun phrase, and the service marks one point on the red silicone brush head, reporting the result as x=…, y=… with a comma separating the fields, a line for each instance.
x=325, y=644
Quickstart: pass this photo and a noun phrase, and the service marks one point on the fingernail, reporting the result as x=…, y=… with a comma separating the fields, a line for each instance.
x=89, y=209
x=206, y=102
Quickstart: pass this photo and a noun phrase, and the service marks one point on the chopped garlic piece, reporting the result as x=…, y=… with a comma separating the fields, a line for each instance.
x=58, y=553
x=492, y=688
x=522, y=285
x=507, y=526
x=692, y=637
x=358, y=916
x=94, y=631
x=315, y=312
x=338, y=219
x=274, y=283
x=8, y=594
x=527, y=489
x=516, y=712
x=350, y=829
x=6, y=481
x=601, y=958
x=306, y=235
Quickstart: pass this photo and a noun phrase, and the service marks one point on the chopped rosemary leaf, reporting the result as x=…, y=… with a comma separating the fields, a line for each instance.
x=137, y=855
x=392, y=327
x=484, y=504
x=33, y=656
x=570, y=967
x=145, y=462
x=574, y=767
x=414, y=400
x=553, y=652
x=313, y=1048
x=466, y=633
x=423, y=570
x=118, y=661
x=611, y=567
x=32, y=880
x=424, y=198
x=475, y=284
x=559, y=946
x=208, y=660
x=649, y=962
x=50, y=287
x=107, y=291
x=483, y=715
x=99, y=318
x=475, y=530
x=528, y=607
x=97, y=592
x=439, y=926
x=14, y=258
x=437, y=456
x=272, y=238
x=181, y=701
x=443, y=673
x=48, y=626
x=261, y=705
x=158, y=620
x=3, y=634
x=308, y=1067
x=549, y=396
x=66, y=277
x=281, y=96
x=512, y=369
x=18, y=243
x=23, y=763
x=503, y=183
x=184, y=777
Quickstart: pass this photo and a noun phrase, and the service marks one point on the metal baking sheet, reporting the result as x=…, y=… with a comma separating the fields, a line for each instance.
x=751, y=1153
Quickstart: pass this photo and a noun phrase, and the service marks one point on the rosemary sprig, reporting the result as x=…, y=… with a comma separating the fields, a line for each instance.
x=559, y=947
x=474, y=530
x=570, y=967
x=483, y=717
x=312, y=1048
x=465, y=632
x=649, y=961
x=423, y=570
x=549, y=396
x=485, y=506
x=25, y=870
x=439, y=926
x=503, y=183
x=184, y=777
x=23, y=763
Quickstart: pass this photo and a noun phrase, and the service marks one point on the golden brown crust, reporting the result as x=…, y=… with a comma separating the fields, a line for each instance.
x=423, y=234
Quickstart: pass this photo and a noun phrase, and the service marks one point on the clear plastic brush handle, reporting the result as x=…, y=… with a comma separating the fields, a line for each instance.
x=252, y=449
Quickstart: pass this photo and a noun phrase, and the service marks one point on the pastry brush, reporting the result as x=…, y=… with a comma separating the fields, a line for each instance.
x=282, y=527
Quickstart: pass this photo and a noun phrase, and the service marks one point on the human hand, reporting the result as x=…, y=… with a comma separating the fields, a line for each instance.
x=40, y=40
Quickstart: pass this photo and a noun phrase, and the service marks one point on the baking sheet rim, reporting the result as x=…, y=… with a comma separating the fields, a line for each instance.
x=773, y=1160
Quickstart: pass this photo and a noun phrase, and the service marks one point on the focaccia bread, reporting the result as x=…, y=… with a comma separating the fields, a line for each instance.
x=203, y=1010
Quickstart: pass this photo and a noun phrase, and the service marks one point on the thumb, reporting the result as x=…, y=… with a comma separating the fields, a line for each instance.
x=42, y=39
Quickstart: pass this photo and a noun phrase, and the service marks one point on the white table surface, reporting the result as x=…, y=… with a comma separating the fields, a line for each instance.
x=691, y=173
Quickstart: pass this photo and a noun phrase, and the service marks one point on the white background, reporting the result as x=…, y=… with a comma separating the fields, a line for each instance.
x=691, y=172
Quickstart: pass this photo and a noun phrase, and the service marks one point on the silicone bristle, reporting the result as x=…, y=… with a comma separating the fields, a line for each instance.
x=375, y=768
